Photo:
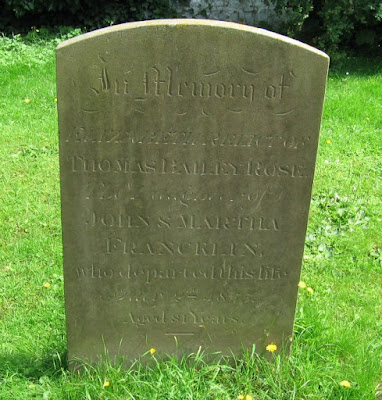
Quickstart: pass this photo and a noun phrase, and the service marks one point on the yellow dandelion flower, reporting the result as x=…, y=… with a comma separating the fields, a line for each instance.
x=27, y=100
x=310, y=290
x=55, y=99
x=248, y=397
x=345, y=384
x=18, y=35
x=37, y=30
x=271, y=347
x=328, y=141
x=46, y=285
x=240, y=397
x=302, y=285
x=106, y=384
x=152, y=350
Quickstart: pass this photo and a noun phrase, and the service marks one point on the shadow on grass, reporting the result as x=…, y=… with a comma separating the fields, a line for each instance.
x=34, y=366
x=359, y=66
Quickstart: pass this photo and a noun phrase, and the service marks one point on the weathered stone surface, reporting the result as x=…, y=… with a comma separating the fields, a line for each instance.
x=187, y=153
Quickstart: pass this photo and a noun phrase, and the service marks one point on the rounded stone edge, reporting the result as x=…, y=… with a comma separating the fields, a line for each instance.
x=190, y=22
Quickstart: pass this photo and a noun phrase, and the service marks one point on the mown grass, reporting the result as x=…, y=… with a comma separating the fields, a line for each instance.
x=338, y=331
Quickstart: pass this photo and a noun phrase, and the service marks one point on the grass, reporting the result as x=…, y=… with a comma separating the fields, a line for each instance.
x=338, y=330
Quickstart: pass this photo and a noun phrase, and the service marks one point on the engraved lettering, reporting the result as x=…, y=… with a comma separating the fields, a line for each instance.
x=149, y=274
x=115, y=245
x=193, y=167
x=173, y=137
x=191, y=317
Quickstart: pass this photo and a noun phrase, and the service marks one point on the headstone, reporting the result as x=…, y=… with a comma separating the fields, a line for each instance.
x=187, y=154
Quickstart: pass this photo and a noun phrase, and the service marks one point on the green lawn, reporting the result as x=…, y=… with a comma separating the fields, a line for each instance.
x=338, y=330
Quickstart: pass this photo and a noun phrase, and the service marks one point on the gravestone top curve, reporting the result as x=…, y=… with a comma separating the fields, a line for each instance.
x=184, y=22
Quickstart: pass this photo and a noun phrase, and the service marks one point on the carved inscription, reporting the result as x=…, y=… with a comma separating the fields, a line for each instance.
x=117, y=245
x=196, y=222
x=271, y=193
x=194, y=295
x=237, y=96
x=192, y=317
x=241, y=260
x=166, y=166
x=173, y=137
x=150, y=274
x=164, y=82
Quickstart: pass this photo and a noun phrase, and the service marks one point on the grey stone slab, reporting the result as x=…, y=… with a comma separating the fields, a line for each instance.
x=187, y=155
